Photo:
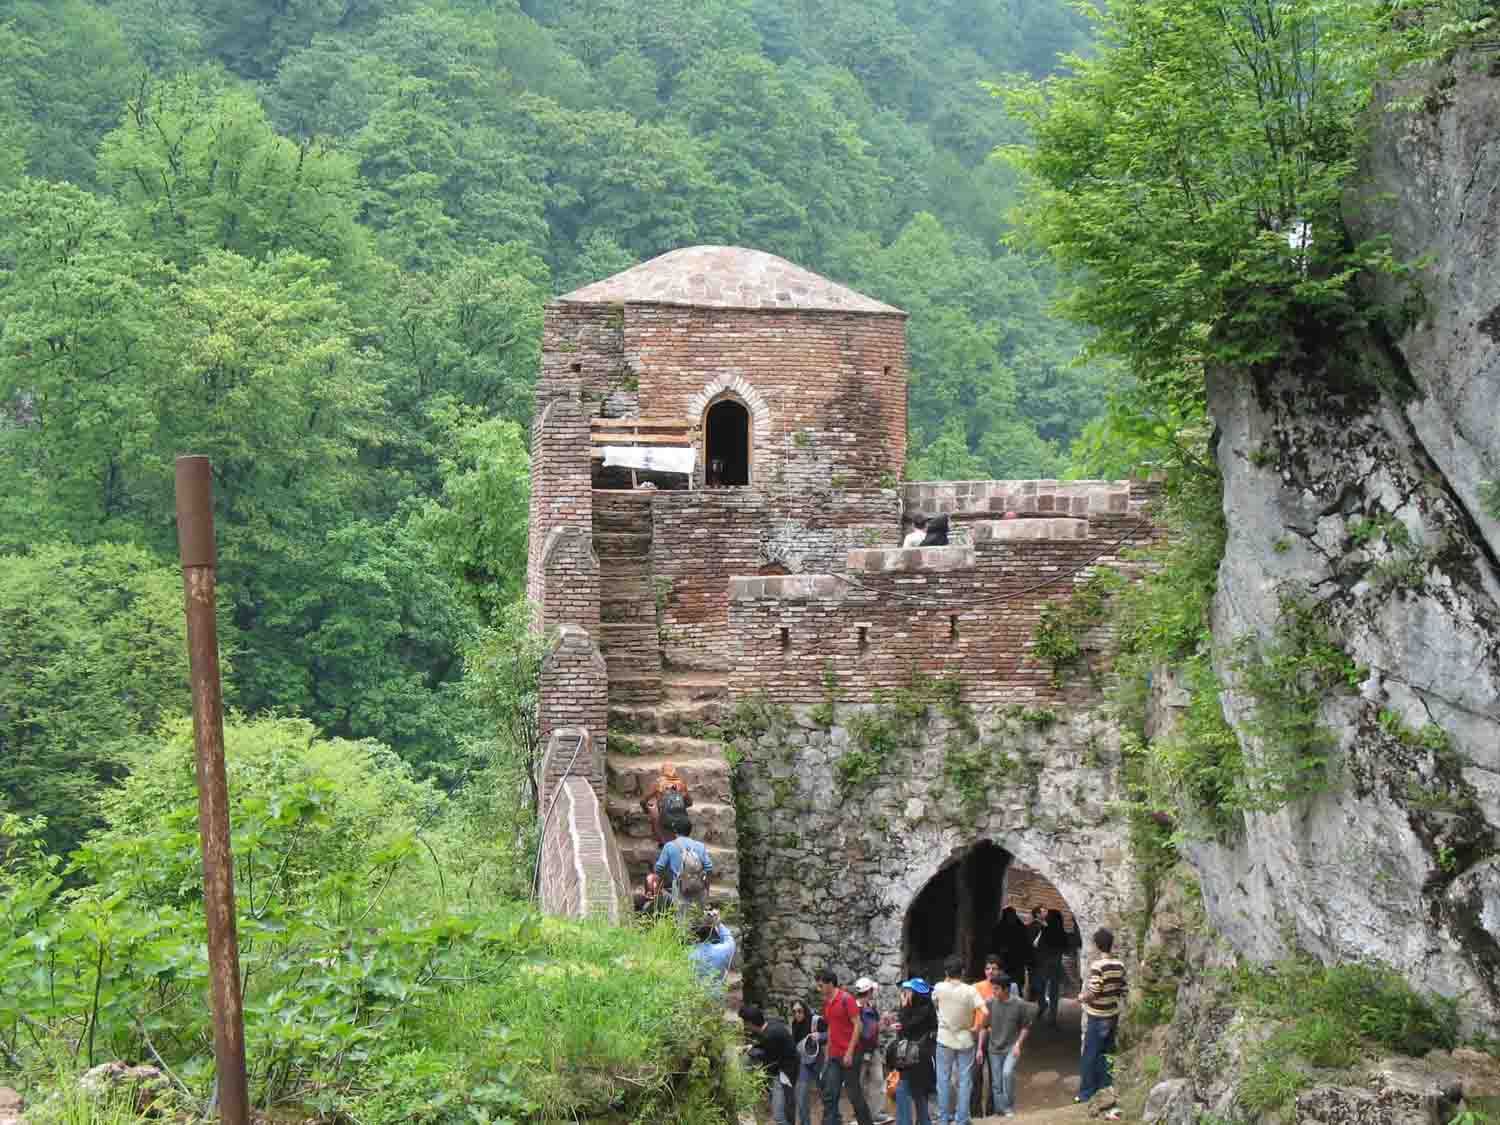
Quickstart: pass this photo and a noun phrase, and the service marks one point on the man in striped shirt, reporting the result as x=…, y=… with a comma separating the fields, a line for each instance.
x=1102, y=997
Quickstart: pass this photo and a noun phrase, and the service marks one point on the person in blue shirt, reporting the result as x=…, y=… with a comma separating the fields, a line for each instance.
x=714, y=951
x=687, y=878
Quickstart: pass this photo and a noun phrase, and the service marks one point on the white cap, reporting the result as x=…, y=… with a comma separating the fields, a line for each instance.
x=863, y=985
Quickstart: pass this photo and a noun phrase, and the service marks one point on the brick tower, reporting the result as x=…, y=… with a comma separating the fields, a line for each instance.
x=713, y=412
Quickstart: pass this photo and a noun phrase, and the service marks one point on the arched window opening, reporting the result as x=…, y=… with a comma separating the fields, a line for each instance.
x=726, y=441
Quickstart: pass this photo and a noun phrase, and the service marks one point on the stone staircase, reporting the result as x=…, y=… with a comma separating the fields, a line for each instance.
x=657, y=715
x=627, y=599
x=682, y=729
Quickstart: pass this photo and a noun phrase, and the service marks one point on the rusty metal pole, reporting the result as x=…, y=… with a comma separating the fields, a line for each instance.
x=195, y=543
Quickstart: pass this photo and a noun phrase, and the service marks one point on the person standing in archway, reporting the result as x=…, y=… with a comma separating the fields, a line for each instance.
x=960, y=1014
x=1054, y=944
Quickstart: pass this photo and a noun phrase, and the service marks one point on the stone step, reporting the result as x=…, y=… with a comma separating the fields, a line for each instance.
x=631, y=777
x=627, y=609
x=632, y=570
x=692, y=686
x=638, y=688
x=713, y=823
x=621, y=639
x=634, y=520
x=640, y=858
x=622, y=544
x=695, y=718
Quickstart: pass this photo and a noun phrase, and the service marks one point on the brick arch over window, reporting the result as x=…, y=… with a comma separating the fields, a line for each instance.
x=735, y=387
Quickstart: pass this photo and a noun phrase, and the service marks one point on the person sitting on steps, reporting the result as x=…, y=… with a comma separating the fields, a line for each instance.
x=918, y=531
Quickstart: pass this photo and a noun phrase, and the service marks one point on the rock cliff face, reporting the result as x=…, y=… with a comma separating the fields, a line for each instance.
x=1353, y=483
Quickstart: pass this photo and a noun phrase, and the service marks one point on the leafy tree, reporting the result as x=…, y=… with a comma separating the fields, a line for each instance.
x=64, y=69
x=93, y=656
x=199, y=168
x=478, y=528
x=1190, y=173
x=80, y=342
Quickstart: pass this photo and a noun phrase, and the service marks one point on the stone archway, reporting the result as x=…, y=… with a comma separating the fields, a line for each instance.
x=938, y=870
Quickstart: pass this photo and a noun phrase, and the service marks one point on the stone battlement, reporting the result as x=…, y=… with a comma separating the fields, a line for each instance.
x=1027, y=497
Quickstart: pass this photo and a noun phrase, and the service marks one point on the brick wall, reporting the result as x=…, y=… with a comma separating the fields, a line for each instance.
x=965, y=612
x=573, y=693
x=561, y=491
x=830, y=388
x=581, y=870
x=701, y=539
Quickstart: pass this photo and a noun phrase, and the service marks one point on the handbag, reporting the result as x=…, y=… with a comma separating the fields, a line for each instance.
x=892, y=1080
x=908, y=1053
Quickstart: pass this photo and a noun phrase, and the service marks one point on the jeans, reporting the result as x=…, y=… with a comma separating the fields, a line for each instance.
x=807, y=1081
x=781, y=1101
x=836, y=1077
x=906, y=1100
x=1098, y=1044
x=1049, y=977
x=1003, y=1081
x=950, y=1108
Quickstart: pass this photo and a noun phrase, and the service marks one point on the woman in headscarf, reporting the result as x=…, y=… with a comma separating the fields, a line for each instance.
x=811, y=1037
x=915, y=1025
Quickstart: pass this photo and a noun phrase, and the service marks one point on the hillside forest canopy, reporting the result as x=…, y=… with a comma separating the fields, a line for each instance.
x=313, y=241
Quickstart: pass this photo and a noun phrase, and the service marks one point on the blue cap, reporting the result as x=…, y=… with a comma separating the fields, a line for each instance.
x=917, y=985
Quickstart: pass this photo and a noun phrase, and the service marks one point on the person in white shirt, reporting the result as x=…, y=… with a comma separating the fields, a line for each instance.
x=918, y=531
x=961, y=1011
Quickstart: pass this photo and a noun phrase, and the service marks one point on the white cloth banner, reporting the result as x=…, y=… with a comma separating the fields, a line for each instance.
x=657, y=458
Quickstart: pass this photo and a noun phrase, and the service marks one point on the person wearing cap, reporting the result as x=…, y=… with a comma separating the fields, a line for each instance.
x=867, y=1050
x=1009, y=1024
x=960, y=1014
x=841, y=1014
x=915, y=1022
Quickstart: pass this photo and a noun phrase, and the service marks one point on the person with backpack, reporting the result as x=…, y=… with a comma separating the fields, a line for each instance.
x=685, y=866
x=915, y=1025
x=841, y=1014
x=867, y=1068
x=668, y=802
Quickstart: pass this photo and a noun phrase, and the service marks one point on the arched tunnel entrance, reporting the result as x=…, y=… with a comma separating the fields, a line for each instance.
x=958, y=912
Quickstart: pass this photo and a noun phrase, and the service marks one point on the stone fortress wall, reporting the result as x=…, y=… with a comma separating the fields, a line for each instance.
x=783, y=616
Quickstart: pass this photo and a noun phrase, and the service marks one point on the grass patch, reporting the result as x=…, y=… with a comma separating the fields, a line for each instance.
x=1332, y=1017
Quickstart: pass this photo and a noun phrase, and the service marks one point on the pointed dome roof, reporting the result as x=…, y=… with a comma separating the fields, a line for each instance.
x=726, y=277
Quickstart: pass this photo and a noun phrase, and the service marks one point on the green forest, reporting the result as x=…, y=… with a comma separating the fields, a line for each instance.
x=313, y=239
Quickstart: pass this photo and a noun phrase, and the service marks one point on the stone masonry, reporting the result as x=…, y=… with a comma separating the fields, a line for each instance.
x=783, y=619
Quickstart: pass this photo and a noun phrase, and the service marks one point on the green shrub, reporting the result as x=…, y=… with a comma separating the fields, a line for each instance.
x=372, y=993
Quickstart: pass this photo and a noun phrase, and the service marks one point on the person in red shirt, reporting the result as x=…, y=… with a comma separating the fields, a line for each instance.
x=841, y=1013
